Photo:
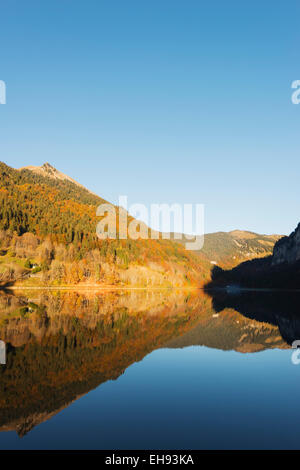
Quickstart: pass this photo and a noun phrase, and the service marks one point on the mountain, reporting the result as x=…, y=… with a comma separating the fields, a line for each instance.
x=227, y=249
x=49, y=171
x=48, y=237
x=280, y=270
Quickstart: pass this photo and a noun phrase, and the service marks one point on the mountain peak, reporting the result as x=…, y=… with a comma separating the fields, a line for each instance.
x=49, y=170
x=47, y=165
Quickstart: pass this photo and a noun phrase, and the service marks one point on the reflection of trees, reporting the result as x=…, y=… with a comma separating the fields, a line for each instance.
x=62, y=344
x=73, y=343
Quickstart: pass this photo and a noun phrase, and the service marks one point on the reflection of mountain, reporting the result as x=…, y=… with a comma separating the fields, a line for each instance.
x=230, y=331
x=62, y=345
x=271, y=307
x=73, y=343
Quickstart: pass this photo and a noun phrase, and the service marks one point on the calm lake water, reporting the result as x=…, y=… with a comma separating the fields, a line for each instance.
x=149, y=370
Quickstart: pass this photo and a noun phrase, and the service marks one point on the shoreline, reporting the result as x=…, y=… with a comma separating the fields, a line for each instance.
x=95, y=288
x=125, y=288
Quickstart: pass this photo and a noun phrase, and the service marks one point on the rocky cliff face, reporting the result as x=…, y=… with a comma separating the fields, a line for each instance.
x=287, y=249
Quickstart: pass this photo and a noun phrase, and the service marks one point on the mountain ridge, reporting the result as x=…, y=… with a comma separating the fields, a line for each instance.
x=49, y=170
x=48, y=221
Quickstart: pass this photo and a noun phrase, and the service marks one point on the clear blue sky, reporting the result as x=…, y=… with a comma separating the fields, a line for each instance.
x=165, y=101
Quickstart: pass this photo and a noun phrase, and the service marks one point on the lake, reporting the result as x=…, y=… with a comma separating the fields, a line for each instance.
x=140, y=369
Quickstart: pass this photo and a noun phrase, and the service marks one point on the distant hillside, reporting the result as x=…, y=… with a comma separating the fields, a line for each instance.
x=280, y=270
x=227, y=249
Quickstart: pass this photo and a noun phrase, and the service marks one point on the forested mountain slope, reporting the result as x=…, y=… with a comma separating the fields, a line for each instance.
x=48, y=225
x=48, y=237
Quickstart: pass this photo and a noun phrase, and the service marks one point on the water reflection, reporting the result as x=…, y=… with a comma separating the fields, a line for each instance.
x=281, y=309
x=60, y=345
